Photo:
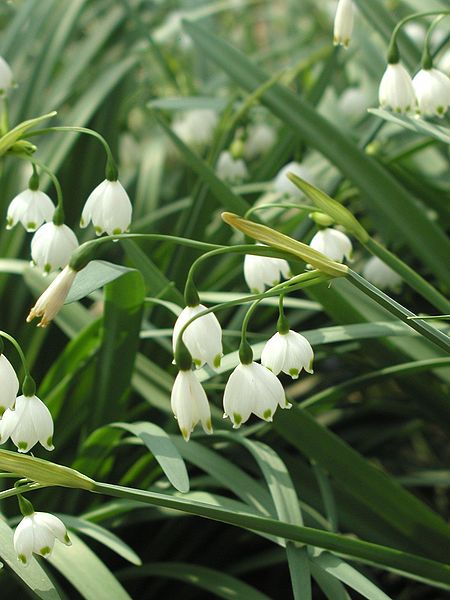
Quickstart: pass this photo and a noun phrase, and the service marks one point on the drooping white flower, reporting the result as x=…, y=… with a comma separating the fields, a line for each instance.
x=381, y=275
x=37, y=533
x=52, y=246
x=6, y=76
x=333, y=243
x=283, y=185
x=260, y=138
x=9, y=384
x=343, y=23
x=252, y=389
x=52, y=299
x=396, y=90
x=29, y=423
x=203, y=337
x=262, y=271
x=31, y=208
x=195, y=127
x=231, y=170
x=432, y=90
x=288, y=352
x=190, y=404
x=109, y=208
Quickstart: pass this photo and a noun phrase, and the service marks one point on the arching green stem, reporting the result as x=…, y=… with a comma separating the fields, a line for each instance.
x=19, y=350
x=427, y=58
x=111, y=167
x=393, y=52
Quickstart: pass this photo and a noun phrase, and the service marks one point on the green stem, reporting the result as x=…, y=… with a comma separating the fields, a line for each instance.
x=20, y=352
x=29, y=487
x=412, y=278
x=34, y=162
x=427, y=57
x=396, y=309
x=111, y=168
x=393, y=56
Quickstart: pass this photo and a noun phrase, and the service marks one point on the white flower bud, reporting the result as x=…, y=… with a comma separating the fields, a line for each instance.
x=262, y=271
x=190, y=404
x=333, y=243
x=381, y=275
x=260, y=138
x=37, y=533
x=31, y=208
x=343, y=23
x=432, y=90
x=109, y=208
x=52, y=246
x=288, y=352
x=52, y=299
x=252, y=389
x=283, y=185
x=232, y=170
x=203, y=337
x=396, y=90
x=9, y=384
x=195, y=127
x=29, y=423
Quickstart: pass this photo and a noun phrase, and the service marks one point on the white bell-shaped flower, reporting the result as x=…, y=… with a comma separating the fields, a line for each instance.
x=283, y=185
x=252, y=388
x=31, y=208
x=381, y=275
x=52, y=246
x=333, y=243
x=288, y=352
x=9, y=384
x=190, y=404
x=343, y=23
x=29, y=423
x=432, y=90
x=232, y=170
x=195, y=127
x=37, y=533
x=52, y=299
x=262, y=271
x=203, y=337
x=109, y=208
x=260, y=138
x=6, y=76
x=396, y=90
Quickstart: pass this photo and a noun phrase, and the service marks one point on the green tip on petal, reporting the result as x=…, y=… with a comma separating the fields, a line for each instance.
x=117, y=231
x=22, y=558
x=9, y=223
x=45, y=550
x=208, y=426
x=237, y=420
x=267, y=414
x=31, y=226
x=22, y=446
x=67, y=540
x=47, y=268
x=197, y=363
x=294, y=373
x=98, y=230
x=185, y=434
x=2, y=410
x=217, y=361
x=50, y=441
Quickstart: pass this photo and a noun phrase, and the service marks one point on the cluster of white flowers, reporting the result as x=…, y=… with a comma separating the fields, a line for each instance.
x=427, y=94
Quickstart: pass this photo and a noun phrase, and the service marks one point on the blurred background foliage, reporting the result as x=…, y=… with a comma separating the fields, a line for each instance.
x=109, y=65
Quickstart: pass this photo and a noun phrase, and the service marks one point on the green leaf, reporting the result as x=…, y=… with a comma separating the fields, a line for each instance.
x=94, y=276
x=86, y=572
x=216, y=582
x=102, y=535
x=414, y=124
x=428, y=533
x=188, y=103
x=124, y=301
x=161, y=446
x=33, y=575
x=381, y=193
